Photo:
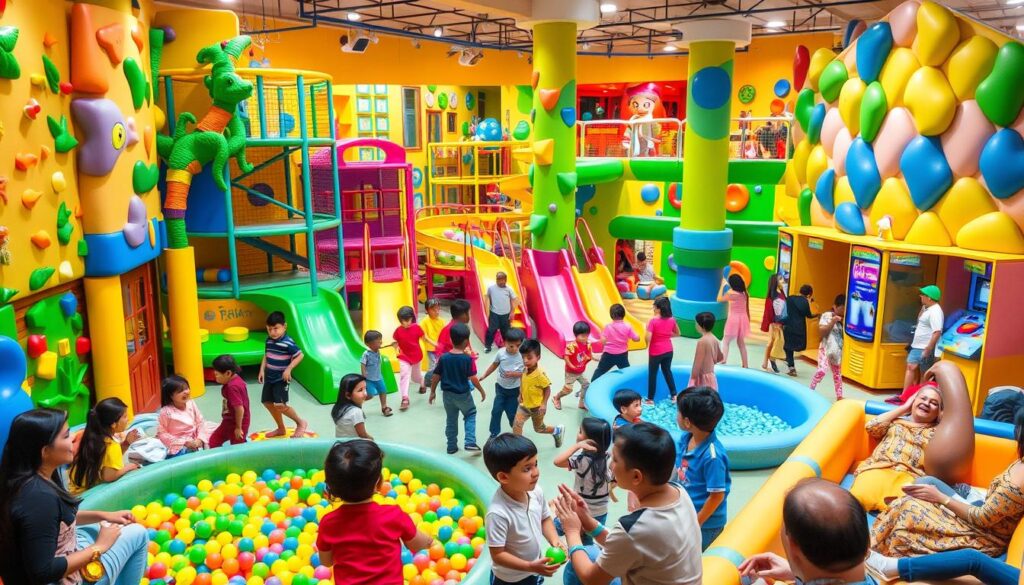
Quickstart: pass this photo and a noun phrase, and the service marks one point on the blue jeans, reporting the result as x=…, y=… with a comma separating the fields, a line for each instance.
x=956, y=563
x=946, y=490
x=455, y=404
x=125, y=562
x=708, y=535
x=506, y=400
x=569, y=573
x=584, y=537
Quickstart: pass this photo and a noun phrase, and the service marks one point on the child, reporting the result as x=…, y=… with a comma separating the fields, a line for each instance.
x=615, y=337
x=455, y=371
x=100, y=458
x=588, y=459
x=432, y=327
x=657, y=543
x=180, y=425
x=737, y=324
x=234, y=411
x=649, y=285
x=362, y=539
x=578, y=353
x=407, y=339
x=773, y=318
x=348, y=410
x=798, y=311
x=509, y=365
x=460, y=314
x=369, y=365
x=628, y=404
x=830, y=350
x=499, y=301
x=518, y=515
x=281, y=357
x=660, y=331
x=708, y=353
x=701, y=462
x=534, y=392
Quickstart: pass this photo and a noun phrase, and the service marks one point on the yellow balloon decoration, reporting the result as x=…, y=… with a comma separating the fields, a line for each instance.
x=898, y=68
x=894, y=200
x=937, y=34
x=817, y=163
x=928, y=231
x=800, y=154
x=819, y=60
x=966, y=200
x=969, y=64
x=992, y=232
x=931, y=101
x=849, y=104
x=843, y=192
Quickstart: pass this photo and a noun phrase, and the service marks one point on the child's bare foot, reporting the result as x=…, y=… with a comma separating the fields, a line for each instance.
x=300, y=430
x=582, y=406
x=556, y=400
x=404, y=405
x=276, y=433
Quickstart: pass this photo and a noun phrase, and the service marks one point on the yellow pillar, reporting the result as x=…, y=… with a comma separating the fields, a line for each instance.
x=105, y=306
x=183, y=314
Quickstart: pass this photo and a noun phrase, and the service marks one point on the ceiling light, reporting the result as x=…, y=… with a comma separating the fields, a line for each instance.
x=1014, y=2
x=585, y=46
x=438, y=32
x=227, y=1
x=775, y=24
x=608, y=8
x=354, y=16
x=1020, y=27
x=669, y=48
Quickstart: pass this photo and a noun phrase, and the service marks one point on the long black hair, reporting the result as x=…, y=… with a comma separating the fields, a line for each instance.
x=773, y=286
x=345, y=389
x=599, y=432
x=22, y=458
x=1018, y=432
x=663, y=306
x=169, y=387
x=737, y=284
x=85, y=472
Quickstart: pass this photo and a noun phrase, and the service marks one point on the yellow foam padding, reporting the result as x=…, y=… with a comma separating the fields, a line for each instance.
x=874, y=486
x=799, y=161
x=937, y=34
x=183, y=311
x=817, y=163
x=966, y=200
x=46, y=366
x=843, y=192
x=849, y=103
x=931, y=100
x=235, y=334
x=898, y=68
x=928, y=231
x=204, y=335
x=63, y=347
x=104, y=304
x=894, y=200
x=819, y=60
x=992, y=232
x=969, y=64
x=792, y=182
x=837, y=441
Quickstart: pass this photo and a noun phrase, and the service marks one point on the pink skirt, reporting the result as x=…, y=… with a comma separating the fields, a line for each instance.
x=707, y=379
x=737, y=326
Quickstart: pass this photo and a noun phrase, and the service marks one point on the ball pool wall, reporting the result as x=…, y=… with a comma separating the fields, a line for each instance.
x=794, y=403
x=155, y=481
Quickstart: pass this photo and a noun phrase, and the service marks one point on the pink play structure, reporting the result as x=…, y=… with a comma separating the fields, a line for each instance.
x=375, y=195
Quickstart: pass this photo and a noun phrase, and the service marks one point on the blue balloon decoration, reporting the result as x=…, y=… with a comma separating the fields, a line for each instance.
x=873, y=49
x=849, y=219
x=862, y=170
x=1002, y=163
x=417, y=178
x=711, y=87
x=569, y=117
x=851, y=27
x=824, y=191
x=650, y=193
x=782, y=88
x=488, y=130
x=13, y=400
x=926, y=171
x=816, y=122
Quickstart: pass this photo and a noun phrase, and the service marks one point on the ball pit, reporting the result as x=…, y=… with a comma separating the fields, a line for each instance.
x=793, y=404
x=215, y=520
x=739, y=420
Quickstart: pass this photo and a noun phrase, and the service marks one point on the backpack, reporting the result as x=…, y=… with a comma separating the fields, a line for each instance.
x=780, y=309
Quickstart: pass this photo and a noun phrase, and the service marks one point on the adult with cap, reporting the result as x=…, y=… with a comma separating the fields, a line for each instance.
x=924, y=348
x=825, y=537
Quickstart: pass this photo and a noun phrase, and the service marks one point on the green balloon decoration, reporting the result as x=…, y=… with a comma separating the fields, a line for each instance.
x=873, y=107
x=746, y=94
x=832, y=80
x=521, y=131
x=804, y=106
x=442, y=100
x=465, y=129
x=999, y=95
x=804, y=206
x=9, y=67
x=470, y=100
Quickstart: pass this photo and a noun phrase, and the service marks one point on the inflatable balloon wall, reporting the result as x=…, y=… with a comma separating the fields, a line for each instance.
x=918, y=119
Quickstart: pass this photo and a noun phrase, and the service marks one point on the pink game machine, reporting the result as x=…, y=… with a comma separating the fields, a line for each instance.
x=374, y=193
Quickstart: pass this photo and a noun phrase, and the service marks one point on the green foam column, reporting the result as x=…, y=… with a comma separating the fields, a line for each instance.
x=554, y=135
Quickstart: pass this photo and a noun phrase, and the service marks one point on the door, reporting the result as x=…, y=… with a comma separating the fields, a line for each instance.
x=433, y=126
x=142, y=336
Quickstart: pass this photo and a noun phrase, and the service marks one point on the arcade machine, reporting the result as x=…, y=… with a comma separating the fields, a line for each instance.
x=964, y=339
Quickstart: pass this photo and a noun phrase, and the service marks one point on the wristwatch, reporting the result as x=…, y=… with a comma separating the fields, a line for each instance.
x=93, y=571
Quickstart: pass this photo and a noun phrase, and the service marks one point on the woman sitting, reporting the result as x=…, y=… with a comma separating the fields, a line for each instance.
x=928, y=521
x=40, y=523
x=180, y=425
x=100, y=457
x=899, y=457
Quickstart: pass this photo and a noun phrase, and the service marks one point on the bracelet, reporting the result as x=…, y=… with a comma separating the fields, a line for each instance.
x=597, y=530
x=575, y=549
x=96, y=553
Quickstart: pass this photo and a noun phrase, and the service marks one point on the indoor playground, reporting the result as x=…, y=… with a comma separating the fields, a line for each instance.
x=184, y=182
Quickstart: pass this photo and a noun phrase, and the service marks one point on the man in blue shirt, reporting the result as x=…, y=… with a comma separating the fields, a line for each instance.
x=702, y=466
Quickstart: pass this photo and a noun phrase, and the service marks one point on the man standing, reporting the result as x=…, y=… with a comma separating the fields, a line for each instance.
x=499, y=301
x=924, y=348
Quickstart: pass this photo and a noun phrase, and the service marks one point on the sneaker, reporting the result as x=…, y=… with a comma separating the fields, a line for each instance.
x=791, y=372
x=648, y=402
x=879, y=566
x=775, y=366
x=487, y=350
x=472, y=448
x=559, y=435
x=453, y=450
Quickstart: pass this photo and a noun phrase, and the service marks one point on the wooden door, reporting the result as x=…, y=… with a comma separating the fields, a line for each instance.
x=143, y=337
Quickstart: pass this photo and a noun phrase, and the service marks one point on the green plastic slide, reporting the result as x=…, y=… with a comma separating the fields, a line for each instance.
x=323, y=328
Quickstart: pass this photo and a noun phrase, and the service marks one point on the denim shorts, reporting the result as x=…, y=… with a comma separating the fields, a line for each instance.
x=375, y=388
x=916, y=357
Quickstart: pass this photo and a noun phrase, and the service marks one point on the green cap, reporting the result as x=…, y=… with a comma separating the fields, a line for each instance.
x=932, y=292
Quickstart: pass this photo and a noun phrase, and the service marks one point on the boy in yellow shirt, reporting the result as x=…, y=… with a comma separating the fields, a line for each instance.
x=534, y=391
x=431, y=327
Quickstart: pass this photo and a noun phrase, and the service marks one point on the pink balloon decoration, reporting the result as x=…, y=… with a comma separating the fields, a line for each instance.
x=966, y=136
x=801, y=62
x=830, y=129
x=840, y=147
x=903, y=21
x=893, y=137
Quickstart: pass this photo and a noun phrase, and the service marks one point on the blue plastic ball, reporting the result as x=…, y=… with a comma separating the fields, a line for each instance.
x=406, y=556
x=450, y=548
x=456, y=512
x=280, y=494
x=189, y=491
x=246, y=545
x=270, y=557
x=176, y=547
x=291, y=543
x=650, y=193
x=444, y=533
x=309, y=514
x=269, y=474
x=443, y=511
x=239, y=508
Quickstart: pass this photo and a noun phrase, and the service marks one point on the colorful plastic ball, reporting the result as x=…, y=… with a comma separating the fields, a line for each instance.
x=197, y=554
x=444, y=533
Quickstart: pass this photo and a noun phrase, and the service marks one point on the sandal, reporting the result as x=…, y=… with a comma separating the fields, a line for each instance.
x=386, y=411
x=423, y=389
x=556, y=400
x=404, y=405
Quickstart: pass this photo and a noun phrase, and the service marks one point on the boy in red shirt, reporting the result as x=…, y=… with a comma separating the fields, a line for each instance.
x=361, y=539
x=460, y=314
x=578, y=353
x=407, y=340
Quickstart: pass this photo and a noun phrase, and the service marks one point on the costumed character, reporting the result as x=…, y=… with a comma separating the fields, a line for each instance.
x=643, y=101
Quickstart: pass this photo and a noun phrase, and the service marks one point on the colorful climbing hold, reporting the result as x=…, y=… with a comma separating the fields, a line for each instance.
x=804, y=107
x=966, y=137
x=781, y=88
x=534, y=79
x=549, y=97
x=863, y=173
x=849, y=103
x=937, y=34
x=544, y=151
x=29, y=198
x=137, y=82
x=52, y=74
x=521, y=131
x=144, y=177
x=566, y=182
x=992, y=232
x=873, y=49
x=83, y=346
x=1001, y=94
x=926, y=171
x=931, y=101
x=737, y=197
x=135, y=227
x=969, y=64
x=816, y=121
x=9, y=67
x=68, y=304
x=965, y=200
x=894, y=201
x=873, y=107
x=569, y=117
x=832, y=80
x=6, y=294
x=49, y=40
x=711, y=87
x=1002, y=163
x=64, y=226
x=896, y=133
x=35, y=346
x=650, y=193
x=898, y=68
x=927, y=230
x=65, y=272
x=41, y=239
x=830, y=129
x=66, y=88
x=98, y=119
x=23, y=161
x=804, y=206
x=824, y=190
x=32, y=109
x=63, y=141
x=849, y=219
x=57, y=182
x=111, y=39
x=819, y=60
x=903, y=20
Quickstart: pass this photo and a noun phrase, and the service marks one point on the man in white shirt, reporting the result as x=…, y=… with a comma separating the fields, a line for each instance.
x=924, y=349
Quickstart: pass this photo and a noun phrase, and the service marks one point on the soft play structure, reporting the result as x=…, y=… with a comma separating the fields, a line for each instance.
x=799, y=409
x=251, y=469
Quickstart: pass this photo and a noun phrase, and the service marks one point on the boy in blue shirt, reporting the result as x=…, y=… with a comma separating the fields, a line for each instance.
x=282, y=355
x=702, y=466
x=456, y=373
x=629, y=405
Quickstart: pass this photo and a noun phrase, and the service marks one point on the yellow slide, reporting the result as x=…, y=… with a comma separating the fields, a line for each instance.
x=381, y=301
x=600, y=294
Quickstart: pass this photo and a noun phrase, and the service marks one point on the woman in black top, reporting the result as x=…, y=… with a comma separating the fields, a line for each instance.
x=798, y=308
x=39, y=537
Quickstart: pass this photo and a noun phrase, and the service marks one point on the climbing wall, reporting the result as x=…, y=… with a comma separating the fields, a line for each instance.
x=918, y=121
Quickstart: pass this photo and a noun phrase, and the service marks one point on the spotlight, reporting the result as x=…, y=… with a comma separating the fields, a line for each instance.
x=354, y=16
x=438, y=32
x=608, y=8
x=585, y=46
x=774, y=24
x=669, y=48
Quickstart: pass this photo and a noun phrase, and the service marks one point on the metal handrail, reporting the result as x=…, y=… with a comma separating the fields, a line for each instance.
x=579, y=241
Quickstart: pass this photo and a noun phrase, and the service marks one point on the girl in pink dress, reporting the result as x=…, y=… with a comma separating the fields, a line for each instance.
x=708, y=353
x=737, y=325
x=180, y=425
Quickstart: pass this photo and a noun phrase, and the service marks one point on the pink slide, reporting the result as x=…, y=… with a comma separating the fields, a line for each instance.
x=552, y=298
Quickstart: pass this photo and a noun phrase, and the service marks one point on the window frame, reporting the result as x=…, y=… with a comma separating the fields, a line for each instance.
x=419, y=119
